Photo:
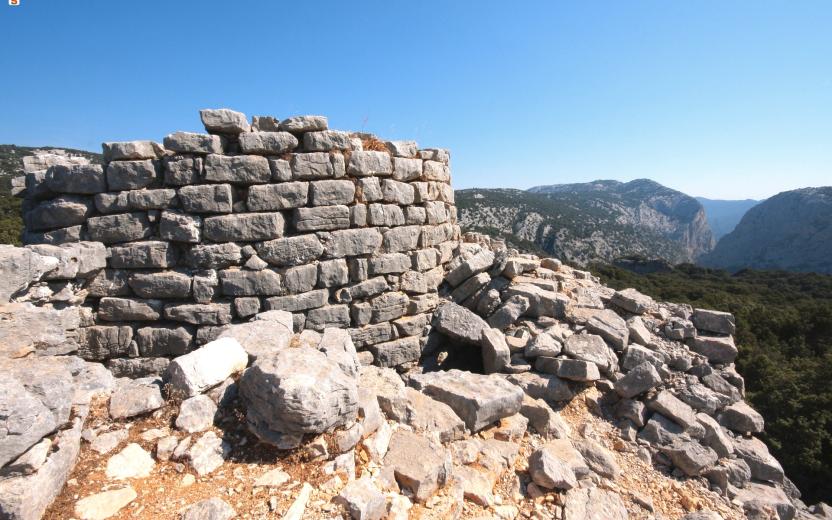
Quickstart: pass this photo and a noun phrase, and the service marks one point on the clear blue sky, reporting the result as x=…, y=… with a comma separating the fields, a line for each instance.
x=727, y=99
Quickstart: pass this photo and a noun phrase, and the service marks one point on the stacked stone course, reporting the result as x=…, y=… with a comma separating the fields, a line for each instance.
x=341, y=229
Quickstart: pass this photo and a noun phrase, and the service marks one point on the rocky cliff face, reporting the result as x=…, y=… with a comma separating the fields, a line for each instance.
x=602, y=220
x=791, y=231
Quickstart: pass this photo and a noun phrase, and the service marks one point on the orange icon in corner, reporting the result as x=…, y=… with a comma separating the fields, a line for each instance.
x=14, y=2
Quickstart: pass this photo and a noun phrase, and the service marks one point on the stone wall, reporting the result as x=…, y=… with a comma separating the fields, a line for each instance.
x=341, y=229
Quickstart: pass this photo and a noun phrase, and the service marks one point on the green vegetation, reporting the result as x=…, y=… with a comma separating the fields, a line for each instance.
x=11, y=165
x=784, y=332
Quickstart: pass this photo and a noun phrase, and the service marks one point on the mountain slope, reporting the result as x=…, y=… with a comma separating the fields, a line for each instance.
x=790, y=231
x=602, y=220
x=724, y=215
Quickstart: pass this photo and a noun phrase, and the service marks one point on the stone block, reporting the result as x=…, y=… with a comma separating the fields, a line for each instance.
x=390, y=263
x=406, y=169
x=59, y=212
x=436, y=171
x=224, y=121
x=350, y=242
x=131, y=150
x=159, y=341
x=199, y=314
x=281, y=170
x=326, y=140
x=397, y=192
x=169, y=284
x=396, y=352
x=267, y=143
x=404, y=238
x=328, y=316
x=331, y=192
x=207, y=198
x=323, y=218
x=369, y=190
x=369, y=164
x=131, y=175
x=333, y=273
x=180, y=227
x=291, y=250
x=298, y=302
x=387, y=215
x=76, y=178
x=300, y=279
x=181, y=171
x=364, y=289
x=238, y=169
x=213, y=256
x=312, y=166
x=104, y=341
x=125, y=227
x=129, y=309
x=235, y=282
x=301, y=124
x=248, y=227
x=272, y=197
x=389, y=306
x=142, y=255
x=189, y=142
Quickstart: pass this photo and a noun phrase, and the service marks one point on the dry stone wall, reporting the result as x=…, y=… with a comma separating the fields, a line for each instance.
x=341, y=229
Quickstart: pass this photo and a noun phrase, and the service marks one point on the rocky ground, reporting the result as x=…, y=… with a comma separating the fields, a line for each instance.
x=540, y=394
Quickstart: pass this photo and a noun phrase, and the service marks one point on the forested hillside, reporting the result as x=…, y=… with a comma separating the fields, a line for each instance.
x=784, y=332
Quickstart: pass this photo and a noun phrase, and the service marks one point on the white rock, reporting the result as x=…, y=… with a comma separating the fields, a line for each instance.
x=105, y=504
x=207, y=366
x=131, y=462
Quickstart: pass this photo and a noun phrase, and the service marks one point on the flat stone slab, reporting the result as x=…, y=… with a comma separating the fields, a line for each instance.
x=477, y=399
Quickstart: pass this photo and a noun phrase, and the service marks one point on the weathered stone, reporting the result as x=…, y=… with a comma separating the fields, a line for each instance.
x=246, y=227
x=131, y=462
x=543, y=419
x=213, y=256
x=459, y=323
x=372, y=334
x=549, y=387
x=209, y=509
x=298, y=302
x=396, y=352
x=571, y=369
x=301, y=278
x=611, y=327
x=495, y=352
x=297, y=391
x=131, y=150
x=509, y=312
x=206, y=366
x=390, y=263
x=640, y=379
x=168, y=284
x=179, y=227
x=714, y=321
x=404, y=238
x=301, y=124
x=129, y=309
x=333, y=273
x=549, y=471
x=104, y=504
x=638, y=331
x=152, y=199
x=363, y=500
x=350, y=242
x=59, y=212
x=632, y=301
x=322, y=218
x=196, y=414
x=589, y=347
x=326, y=140
x=272, y=197
x=477, y=399
x=331, y=192
x=328, y=316
x=718, y=349
x=56, y=236
x=668, y=405
x=265, y=282
x=131, y=175
x=76, y=178
x=102, y=342
x=636, y=355
x=690, y=456
x=312, y=166
x=262, y=337
x=715, y=437
x=589, y=503
x=119, y=228
x=163, y=341
x=761, y=500
x=189, y=142
x=224, y=121
x=142, y=255
x=208, y=453
x=135, y=397
x=546, y=345
x=237, y=169
x=436, y=171
x=182, y=171
x=740, y=417
x=267, y=143
x=207, y=198
x=762, y=464
x=369, y=164
x=77, y=260
x=386, y=215
x=291, y=250
x=406, y=169
x=416, y=463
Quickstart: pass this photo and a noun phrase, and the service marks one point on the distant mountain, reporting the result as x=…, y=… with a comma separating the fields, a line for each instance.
x=790, y=231
x=601, y=220
x=724, y=215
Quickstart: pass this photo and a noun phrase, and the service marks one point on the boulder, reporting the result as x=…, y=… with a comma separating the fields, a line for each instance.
x=759, y=500
x=209, y=509
x=638, y=380
x=105, y=504
x=196, y=414
x=549, y=471
x=132, y=397
x=295, y=392
x=457, y=322
x=632, y=301
x=425, y=414
x=509, y=312
x=714, y=321
x=543, y=419
x=590, y=503
x=477, y=399
x=416, y=464
x=548, y=387
x=598, y=458
x=496, y=355
x=206, y=366
x=762, y=464
x=741, y=418
x=478, y=263
x=670, y=406
x=718, y=349
x=363, y=500
x=610, y=326
x=690, y=456
x=208, y=453
x=224, y=121
x=592, y=348
x=262, y=337
x=131, y=462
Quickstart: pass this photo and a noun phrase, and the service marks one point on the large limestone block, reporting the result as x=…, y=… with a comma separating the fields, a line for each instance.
x=135, y=397
x=610, y=326
x=131, y=175
x=323, y=218
x=20, y=267
x=714, y=321
x=76, y=178
x=298, y=302
x=59, y=212
x=207, y=198
x=301, y=124
x=417, y=464
x=592, y=348
x=350, y=242
x=291, y=250
x=125, y=227
x=459, y=323
x=762, y=464
x=313, y=166
x=387, y=215
x=262, y=337
x=370, y=163
x=326, y=140
x=224, y=121
x=740, y=417
x=396, y=352
x=238, y=169
x=169, y=284
x=213, y=256
x=206, y=366
x=331, y=192
x=267, y=143
x=548, y=387
x=164, y=340
x=189, y=142
x=550, y=471
x=179, y=227
x=297, y=391
x=718, y=349
x=271, y=197
x=131, y=150
x=266, y=282
x=245, y=227
x=638, y=380
x=632, y=301
x=143, y=255
x=182, y=171
x=199, y=313
x=477, y=399
x=129, y=309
